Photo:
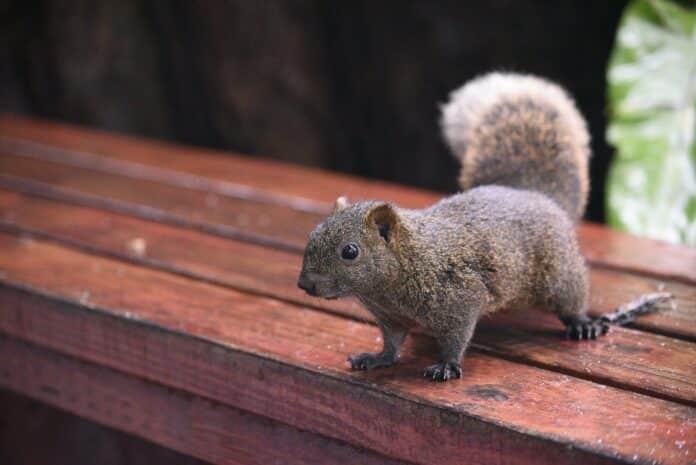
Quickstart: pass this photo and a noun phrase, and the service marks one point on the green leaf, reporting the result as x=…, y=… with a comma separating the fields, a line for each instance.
x=651, y=189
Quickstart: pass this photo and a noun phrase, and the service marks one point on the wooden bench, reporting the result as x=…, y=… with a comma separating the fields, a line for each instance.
x=151, y=288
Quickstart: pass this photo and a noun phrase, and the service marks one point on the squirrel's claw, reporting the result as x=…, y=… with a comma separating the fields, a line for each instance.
x=586, y=330
x=443, y=371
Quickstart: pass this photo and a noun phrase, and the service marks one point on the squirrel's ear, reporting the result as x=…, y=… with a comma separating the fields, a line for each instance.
x=340, y=204
x=383, y=217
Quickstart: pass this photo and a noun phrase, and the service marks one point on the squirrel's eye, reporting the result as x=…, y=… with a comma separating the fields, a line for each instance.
x=350, y=252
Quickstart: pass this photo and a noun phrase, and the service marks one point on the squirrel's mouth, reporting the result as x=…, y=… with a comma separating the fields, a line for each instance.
x=319, y=288
x=328, y=294
x=322, y=295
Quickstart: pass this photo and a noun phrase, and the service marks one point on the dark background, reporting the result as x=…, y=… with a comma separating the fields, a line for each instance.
x=351, y=86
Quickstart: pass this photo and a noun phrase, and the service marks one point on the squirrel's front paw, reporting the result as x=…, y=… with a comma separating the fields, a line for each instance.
x=369, y=361
x=443, y=371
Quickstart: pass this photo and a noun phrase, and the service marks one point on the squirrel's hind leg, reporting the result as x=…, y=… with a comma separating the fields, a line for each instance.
x=393, y=336
x=566, y=292
x=568, y=301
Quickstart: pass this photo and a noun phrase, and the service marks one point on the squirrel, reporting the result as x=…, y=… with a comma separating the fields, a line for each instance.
x=506, y=241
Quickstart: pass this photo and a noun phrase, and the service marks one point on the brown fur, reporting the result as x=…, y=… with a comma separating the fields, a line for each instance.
x=508, y=245
x=520, y=131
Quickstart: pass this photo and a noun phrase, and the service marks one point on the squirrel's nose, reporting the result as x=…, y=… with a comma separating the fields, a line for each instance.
x=308, y=286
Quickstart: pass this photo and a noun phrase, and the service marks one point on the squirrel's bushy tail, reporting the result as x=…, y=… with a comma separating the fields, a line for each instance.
x=519, y=131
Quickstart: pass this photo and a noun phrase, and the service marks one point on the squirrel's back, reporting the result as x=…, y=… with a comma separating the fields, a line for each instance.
x=519, y=131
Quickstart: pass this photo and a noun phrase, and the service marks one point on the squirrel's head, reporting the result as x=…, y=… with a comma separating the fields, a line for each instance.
x=355, y=250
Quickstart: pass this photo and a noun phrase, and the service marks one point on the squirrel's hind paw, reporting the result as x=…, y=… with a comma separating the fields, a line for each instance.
x=586, y=329
x=443, y=371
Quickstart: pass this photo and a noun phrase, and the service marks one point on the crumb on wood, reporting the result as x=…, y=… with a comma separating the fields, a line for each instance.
x=137, y=246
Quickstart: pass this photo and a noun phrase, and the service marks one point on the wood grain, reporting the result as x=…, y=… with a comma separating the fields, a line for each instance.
x=261, y=223
x=182, y=165
x=300, y=188
x=288, y=363
x=171, y=418
x=606, y=247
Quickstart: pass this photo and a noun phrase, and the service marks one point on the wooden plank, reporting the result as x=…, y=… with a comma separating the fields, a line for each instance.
x=645, y=363
x=237, y=172
x=211, y=258
x=297, y=187
x=245, y=266
x=171, y=418
x=224, y=345
x=604, y=246
x=610, y=288
x=193, y=208
x=641, y=362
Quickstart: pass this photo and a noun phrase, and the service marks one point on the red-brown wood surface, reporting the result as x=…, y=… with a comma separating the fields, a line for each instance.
x=178, y=266
x=274, y=182
x=492, y=402
x=232, y=217
x=192, y=425
x=272, y=179
x=638, y=361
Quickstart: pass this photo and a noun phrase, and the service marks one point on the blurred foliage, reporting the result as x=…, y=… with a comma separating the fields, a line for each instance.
x=651, y=188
